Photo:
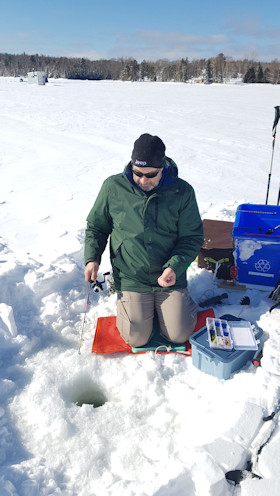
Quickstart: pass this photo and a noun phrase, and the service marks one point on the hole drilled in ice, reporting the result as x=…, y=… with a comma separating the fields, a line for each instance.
x=93, y=397
x=84, y=391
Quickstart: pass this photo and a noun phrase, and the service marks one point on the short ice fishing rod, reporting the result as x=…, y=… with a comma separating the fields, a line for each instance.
x=96, y=286
x=276, y=119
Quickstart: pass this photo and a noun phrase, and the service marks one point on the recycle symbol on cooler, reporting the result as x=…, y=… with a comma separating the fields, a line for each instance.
x=262, y=265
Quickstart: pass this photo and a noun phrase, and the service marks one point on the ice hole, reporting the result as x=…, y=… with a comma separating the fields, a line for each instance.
x=84, y=391
x=94, y=397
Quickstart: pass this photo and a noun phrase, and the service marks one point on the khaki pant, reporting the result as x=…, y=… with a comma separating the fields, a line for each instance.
x=135, y=313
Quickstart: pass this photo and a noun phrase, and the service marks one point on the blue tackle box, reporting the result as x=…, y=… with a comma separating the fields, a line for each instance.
x=217, y=362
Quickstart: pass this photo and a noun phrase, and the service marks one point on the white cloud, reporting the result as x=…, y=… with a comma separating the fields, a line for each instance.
x=153, y=45
x=86, y=54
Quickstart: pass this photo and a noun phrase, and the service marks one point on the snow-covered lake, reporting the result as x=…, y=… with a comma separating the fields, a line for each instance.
x=165, y=428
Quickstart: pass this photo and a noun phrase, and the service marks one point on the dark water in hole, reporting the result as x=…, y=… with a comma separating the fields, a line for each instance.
x=93, y=397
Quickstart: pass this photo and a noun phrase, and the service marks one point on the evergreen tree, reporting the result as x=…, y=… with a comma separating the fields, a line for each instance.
x=208, y=78
x=144, y=70
x=130, y=71
x=250, y=76
x=182, y=71
x=219, y=64
x=260, y=75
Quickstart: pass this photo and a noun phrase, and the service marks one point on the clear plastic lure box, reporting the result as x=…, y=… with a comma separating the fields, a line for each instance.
x=228, y=335
x=219, y=335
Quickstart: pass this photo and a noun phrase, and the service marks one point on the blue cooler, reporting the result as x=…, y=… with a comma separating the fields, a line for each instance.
x=256, y=233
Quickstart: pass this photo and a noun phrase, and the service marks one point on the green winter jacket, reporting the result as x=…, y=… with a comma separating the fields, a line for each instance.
x=148, y=231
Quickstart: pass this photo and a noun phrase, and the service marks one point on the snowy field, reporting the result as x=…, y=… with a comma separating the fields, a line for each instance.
x=165, y=428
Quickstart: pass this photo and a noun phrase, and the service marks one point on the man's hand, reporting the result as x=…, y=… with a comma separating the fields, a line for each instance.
x=167, y=278
x=91, y=271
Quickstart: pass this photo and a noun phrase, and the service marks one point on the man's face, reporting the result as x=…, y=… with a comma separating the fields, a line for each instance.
x=147, y=183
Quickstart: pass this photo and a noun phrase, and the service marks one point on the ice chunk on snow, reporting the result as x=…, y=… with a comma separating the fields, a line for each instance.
x=247, y=426
x=209, y=481
x=7, y=318
x=229, y=454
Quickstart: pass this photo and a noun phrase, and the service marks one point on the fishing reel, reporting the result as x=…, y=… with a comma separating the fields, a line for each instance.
x=97, y=286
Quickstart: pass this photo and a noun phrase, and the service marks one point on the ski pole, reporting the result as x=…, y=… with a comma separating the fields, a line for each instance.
x=276, y=119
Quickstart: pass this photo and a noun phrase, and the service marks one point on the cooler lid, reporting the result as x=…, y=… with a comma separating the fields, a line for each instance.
x=259, y=222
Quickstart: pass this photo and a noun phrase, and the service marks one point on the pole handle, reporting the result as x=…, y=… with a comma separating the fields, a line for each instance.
x=274, y=127
x=276, y=120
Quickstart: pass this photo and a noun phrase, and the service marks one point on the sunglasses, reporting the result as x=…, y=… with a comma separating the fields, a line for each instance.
x=149, y=175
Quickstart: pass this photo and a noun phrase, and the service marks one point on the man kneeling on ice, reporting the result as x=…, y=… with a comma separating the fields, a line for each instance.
x=155, y=230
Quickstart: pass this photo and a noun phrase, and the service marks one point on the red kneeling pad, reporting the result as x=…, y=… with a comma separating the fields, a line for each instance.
x=107, y=338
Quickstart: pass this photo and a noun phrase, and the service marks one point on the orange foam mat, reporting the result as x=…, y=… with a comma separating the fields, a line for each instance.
x=107, y=338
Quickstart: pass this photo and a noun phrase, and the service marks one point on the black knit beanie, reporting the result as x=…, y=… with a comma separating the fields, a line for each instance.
x=148, y=151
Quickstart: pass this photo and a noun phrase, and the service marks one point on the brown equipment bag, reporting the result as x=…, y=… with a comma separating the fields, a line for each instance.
x=216, y=253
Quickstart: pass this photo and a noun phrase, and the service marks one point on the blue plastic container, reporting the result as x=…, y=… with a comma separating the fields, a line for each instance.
x=256, y=233
x=216, y=362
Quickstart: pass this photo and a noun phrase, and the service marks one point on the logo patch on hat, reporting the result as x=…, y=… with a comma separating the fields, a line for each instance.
x=141, y=163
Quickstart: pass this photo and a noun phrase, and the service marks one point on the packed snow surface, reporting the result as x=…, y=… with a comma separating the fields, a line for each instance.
x=152, y=425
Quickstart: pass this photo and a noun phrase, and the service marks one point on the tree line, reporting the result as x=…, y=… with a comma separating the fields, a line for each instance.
x=217, y=69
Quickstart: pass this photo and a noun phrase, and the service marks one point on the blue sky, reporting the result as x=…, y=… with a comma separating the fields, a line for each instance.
x=146, y=29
